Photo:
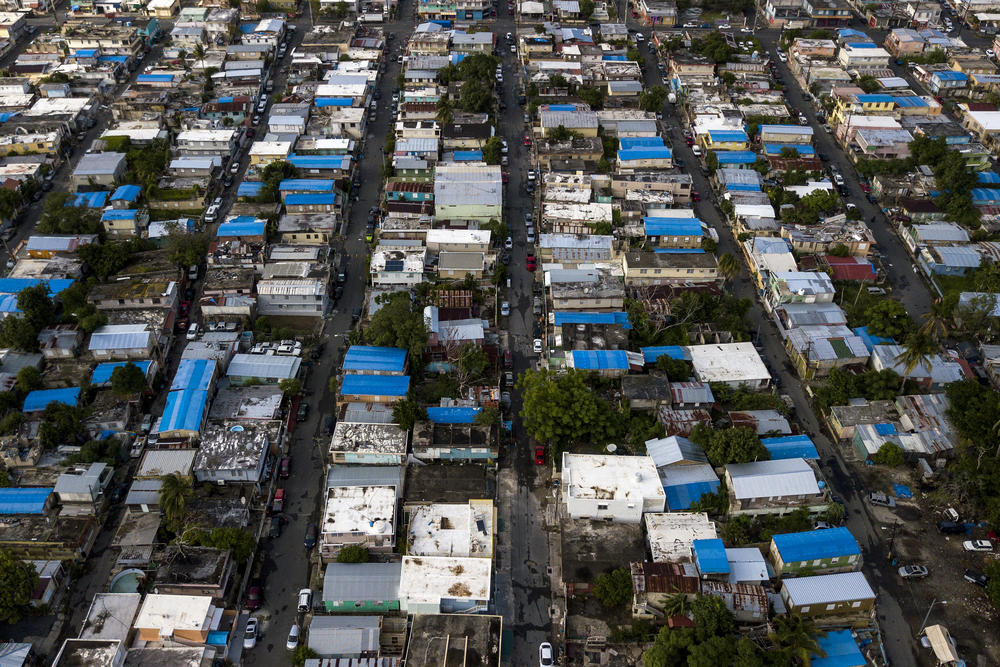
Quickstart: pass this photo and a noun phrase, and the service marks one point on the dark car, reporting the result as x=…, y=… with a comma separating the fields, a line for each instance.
x=355, y=314
x=505, y=260
x=310, y=539
x=253, y=598
x=275, y=528
x=338, y=292
x=318, y=348
x=950, y=528
x=118, y=494
x=285, y=467
x=977, y=578
x=303, y=412
x=328, y=424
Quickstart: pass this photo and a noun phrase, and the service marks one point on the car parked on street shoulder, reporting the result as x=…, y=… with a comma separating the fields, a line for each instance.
x=913, y=572
x=977, y=545
x=250, y=634
x=304, y=600
x=977, y=578
x=310, y=539
x=540, y=455
x=293, y=638
x=881, y=499
x=536, y=346
x=545, y=655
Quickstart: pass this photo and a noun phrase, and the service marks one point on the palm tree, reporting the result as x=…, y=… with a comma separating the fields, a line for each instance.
x=199, y=54
x=917, y=350
x=445, y=111
x=728, y=266
x=936, y=320
x=676, y=605
x=175, y=491
x=797, y=639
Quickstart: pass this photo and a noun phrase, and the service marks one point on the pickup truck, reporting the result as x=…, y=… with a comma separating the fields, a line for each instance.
x=879, y=498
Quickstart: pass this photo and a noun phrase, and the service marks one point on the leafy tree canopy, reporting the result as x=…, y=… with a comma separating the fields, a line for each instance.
x=398, y=323
x=614, y=589
x=18, y=580
x=353, y=553
x=128, y=380
x=561, y=409
x=729, y=445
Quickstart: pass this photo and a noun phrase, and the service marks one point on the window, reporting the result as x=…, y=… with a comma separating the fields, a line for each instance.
x=602, y=506
x=855, y=605
x=804, y=610
x=831, y=607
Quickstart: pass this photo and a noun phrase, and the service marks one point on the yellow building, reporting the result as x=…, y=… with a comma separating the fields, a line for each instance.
x=725, y=140
x=38, y=143
x=653, y=268
x=263, y=153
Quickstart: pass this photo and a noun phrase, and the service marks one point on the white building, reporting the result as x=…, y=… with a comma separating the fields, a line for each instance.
x=620, y=488
x=735, y=364
x=442, y=585
x=672, y=534
x=452, y=529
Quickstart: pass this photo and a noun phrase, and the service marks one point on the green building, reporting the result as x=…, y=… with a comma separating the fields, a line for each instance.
x=361, y=588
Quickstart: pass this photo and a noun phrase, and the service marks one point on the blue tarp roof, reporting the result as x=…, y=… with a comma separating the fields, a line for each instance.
x=636, y=142
x=710, y=555
x=126, y=193
x=850, y=32
x=249, y=189
x=985, y=194
x=727, y=135
x=871, y=340
x=593, y=360
x=321, y=102
x=948, y=75
x=613, y=58
x=885, y=428
x=310, y=198
x=89, y=199
x=23, y=501
x=678, y=251
x=840, y=649
x=375, y=385
x=682, y=496
x=645, y=153
x=11, y=287
x=561, y=107
x=371, y=358
x=307, y=185
x=816, y=544
x=865, y=44
x=455, y=415
x=225, y=100
x=102, y=374
x=154, y=78
x=112, y=59
x=468, y=156
x=320, y=161
x=244, y=225
x=84, y=53
x=909, y=101
x=656, y=226
x=736, y=157
x=120, y=214
x=651, y=354
x=803, y=149
x=194, y=374
x=40, y=398
x=791, y=447
x=564, y=317
x=875, y=98
x=184, y=410
x=988, y=177
x=742, y=187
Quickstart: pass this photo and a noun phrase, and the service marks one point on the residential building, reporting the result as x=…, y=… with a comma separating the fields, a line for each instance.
x=815, y=552
x=620, y=488
x=831, y=599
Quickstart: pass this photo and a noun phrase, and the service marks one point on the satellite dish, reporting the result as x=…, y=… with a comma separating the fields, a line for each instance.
x=236, y=429
x=612, y=448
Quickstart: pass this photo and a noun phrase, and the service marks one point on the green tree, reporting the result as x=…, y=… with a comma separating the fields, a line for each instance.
x=840, y=250
x=470, y=362
x=992, y=570
x=353, y=553
x=677, y=370
x=676, y=605
x=445, y=111
x=175, y=492
x=128, y=381
x=18, y=580
x=185, y=248
x=937, y=320
x=60, y=217
x=868, y=83
x=975, y=317
x=291, y=386
x=302, y=651
x=562, y=409
x=475, y=96
x=493, y=150
x=653, y=98
x=729, y=445
x=407, y=413
x=36, y=306
x=108, y=258
x=917, y=350
x=888, y=318
x=488, y=416
x=586, y=9
x=398, y=323
x=591, y=95
x=61, y=424
x=711, y=618
x=729, y=266
x=107, y=451
x=614, y=589
x=796, y=637
x=29, y=378
x=889, y=454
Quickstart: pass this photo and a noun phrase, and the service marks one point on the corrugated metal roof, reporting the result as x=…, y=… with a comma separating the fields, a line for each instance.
x=102, y=374
x=23, y=501
x=264, y=366
x=344, y=635
x=120, y=337
x=249, y=189
x=790, y=447
x=816, y=544
x=194, y=374
x=37, y=400
x=372, y=358
x=599, y=359
x=361, y=581
x=673, y=449
x=375, y=385
x=828, y=588
x=306, y=185
x=184, y=411
x=773, y=479
x=453, y=415
x=710, y=555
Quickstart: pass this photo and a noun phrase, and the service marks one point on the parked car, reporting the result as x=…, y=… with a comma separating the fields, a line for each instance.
x=285, y=467
x=275, y=528
x=977, y=545
x=540, y=455
x=303, y=412
x=278, y=504
x=536, y=346
x=505, y=309
x=977, y=578
x=310, y=539
x=250, y=634
x=879, y=498
x=950, y=528
x=147, y=423
x=293, y=638
x=304, y=600
x=253, y=598
x=329, y=423
x=192, y=332
x=913, y=572
x=545, y=655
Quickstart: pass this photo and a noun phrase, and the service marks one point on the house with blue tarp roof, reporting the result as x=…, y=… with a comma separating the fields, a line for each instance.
x=11, y=287
x=651, y=354
x=572, y=317
x=943, y=82
x=372, y=360
x=626, y=143
x=25, y=500
x=196, y=374
x=467, y=156
x=652, y=157
x=791, y=447
x=249, y=189
x=678, y=251
x=166, y=79
x=988, y=177
x=322, y=102
x=838, y=648
x=743, y=187
x=710, y=556
x=328, y=164
x=38, y=400
x=453, y=415
x=733, y=140
x=871, y=340
x=680, y=232
x=985, y=196
x=735, y=158
x=102, y=373
x=244, y=227
x=684, y=485
x=815, y=552
x=184, y=414
x=294, y=185
x=311, y=202
x=126, y=194
x=803, y=150
x=125, y=221
x=374, y=388
x=612, y=363
x=94, y=199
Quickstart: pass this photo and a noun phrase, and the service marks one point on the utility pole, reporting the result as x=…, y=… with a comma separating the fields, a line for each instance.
x=927, y=615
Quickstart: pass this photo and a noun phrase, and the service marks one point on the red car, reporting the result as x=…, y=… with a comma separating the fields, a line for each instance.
x=503, y=176
x=689, y=141
x=185, y=308
x=527, y=140
x=530, y=266
x=253, y=598
x=695, y=196
x=540, y=455
x=285, y=467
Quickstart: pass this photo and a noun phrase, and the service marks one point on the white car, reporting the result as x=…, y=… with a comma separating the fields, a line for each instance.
x=977, y=545
x=235, y=168
x=537, y=346
x=513, y=48
x=293, y=637
x=505, y=309
x=545, y=656
x=192, y=332
x=989, y=53
x=639, y=37
x=305, y=600
x=509, y=243
x=913, y=572
x=250, y=634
